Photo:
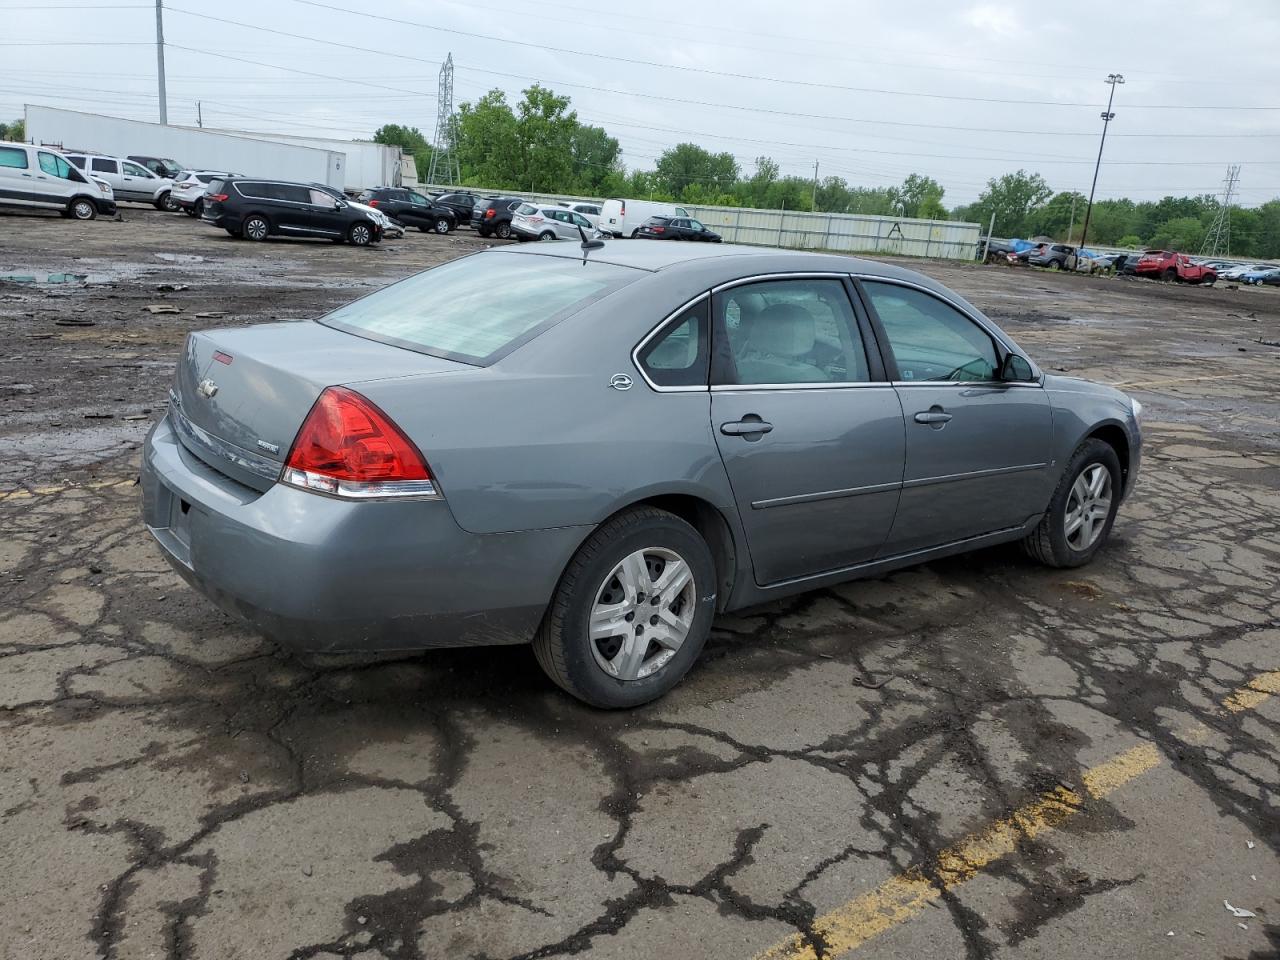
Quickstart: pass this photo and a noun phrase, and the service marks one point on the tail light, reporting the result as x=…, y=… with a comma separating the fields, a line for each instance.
x=374, y=203
x=217, y=197
x=349, y=448
x=623, y=212
x=489, y=213
x=657, y=229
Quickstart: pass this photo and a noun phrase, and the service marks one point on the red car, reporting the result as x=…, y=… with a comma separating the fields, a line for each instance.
x=1165, y=265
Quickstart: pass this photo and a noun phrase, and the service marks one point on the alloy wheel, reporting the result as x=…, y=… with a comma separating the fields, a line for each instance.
x=1088, y=507
x=642, y=613
x=256, y=229
x=83, y=210
x=442, y=225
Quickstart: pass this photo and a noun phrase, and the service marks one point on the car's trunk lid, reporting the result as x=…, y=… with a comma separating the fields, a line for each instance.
x=240, y=395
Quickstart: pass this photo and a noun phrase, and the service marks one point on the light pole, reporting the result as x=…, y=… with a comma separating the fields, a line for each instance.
x=1107, y=117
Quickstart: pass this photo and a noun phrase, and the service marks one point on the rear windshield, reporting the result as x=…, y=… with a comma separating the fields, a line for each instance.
x=478, y=309
x=526, y=208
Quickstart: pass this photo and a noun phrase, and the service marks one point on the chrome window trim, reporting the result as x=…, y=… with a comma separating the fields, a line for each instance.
x=1001, y=384
x=662, y=325
x=983, y=323
x=824, y=385
x=765, y=277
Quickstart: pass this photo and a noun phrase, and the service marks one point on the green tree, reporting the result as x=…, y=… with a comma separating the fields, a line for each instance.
x=919, y=196
x=545, y=129
x=595, y=157
x=1129, y=240
x=488, y=143
x=411, y=141
x=15, y=132
x=1061, y=217
x=1011, y=198
x=1267, y=244
x=1181, y=234
x=687, y=163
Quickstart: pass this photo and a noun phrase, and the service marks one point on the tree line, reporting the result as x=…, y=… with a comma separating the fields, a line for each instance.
x=539, y=145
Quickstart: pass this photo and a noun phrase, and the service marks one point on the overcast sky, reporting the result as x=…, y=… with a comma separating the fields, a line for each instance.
x=871, y=91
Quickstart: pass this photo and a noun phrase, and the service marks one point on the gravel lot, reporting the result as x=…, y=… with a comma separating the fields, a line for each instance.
x=976, y=758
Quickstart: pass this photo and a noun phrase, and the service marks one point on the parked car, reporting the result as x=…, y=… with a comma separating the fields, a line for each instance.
x=531, y=222
x=128, y=180
x=412, y=209
x=1267, y=275
x=492, y=216
x=623, y=218
x=36, y=178
x=1238, y=272
x=191, y=186
x=995, y=251
x=401, y=473
x=1053, y=256
x=256, y=209
x=461, y=203
x=391, y=229
x=161, y=166
x=1167, y=265
x=676, y=228
x=589, y=210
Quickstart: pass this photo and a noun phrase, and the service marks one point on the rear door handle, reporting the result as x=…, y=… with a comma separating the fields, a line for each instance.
x=935, y=415
x=749, y=426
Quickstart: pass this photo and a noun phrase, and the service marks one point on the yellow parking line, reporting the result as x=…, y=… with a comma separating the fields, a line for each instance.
x=1136, y=385
x=900, y=898
x=1254, y=692
x=24, y=493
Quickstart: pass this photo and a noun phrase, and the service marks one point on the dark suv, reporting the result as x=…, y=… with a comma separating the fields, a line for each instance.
x=461, y=203
x=412, y=209
x=492, y=216
x=257, y=209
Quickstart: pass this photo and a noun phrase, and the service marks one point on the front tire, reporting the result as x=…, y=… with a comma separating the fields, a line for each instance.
x=360, y=235
x=82, y=209
x=1082, y=510
x=443, y=225
x=632, y=611
x=166, y=202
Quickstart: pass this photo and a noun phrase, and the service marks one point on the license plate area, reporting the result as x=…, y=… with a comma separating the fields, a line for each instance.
x=175, y=513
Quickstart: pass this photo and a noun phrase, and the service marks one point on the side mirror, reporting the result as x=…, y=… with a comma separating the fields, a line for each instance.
x=1016, y=369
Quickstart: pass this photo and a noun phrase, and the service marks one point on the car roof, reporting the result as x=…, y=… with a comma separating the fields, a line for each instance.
x=654, y=257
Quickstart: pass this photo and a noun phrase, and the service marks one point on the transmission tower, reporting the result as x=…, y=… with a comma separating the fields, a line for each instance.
x=445, y=168
x=1218, y=240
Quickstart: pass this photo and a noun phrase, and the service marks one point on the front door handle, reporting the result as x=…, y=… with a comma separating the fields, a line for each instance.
x=751, y=427
x=935, y=416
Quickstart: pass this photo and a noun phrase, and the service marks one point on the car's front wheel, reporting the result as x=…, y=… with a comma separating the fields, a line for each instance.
x=82, y=209
x=167, y=202
x=360, y=235
x=1082, y=510
x=631, y=612
x=443, y=225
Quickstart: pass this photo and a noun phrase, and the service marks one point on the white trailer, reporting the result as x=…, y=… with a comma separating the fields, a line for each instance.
x=369, y=164
x=198, y=149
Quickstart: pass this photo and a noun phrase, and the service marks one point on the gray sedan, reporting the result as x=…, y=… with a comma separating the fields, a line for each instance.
x=598, y=450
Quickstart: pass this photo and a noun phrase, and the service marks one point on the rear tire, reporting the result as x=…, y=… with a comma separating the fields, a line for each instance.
x=546, y=235
x=166, y=202
x=255, y=228
x=503, y=231
x=1169, y=275
x=592, y=583
x=82, y=209
x=1051, y=543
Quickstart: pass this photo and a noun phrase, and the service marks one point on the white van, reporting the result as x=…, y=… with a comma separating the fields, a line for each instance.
x=129, y=180
x=36, y=178
x=622, y=218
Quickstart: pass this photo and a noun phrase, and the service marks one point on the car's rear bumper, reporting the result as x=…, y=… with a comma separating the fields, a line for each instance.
x=320, y=573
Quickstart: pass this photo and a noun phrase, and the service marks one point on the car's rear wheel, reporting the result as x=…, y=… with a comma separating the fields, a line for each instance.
x=1169, y=275
x=546, y=235
x=631, y=612
x=82, y=209
x=443, y=225
x=635, y=233
x=166, y=202
x=1054, y=265
x=503, y=230
x=1082, y=510
x=360, y=235
x=255, y=228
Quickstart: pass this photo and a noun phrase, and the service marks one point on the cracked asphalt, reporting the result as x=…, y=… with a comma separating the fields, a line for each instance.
x=975, y=758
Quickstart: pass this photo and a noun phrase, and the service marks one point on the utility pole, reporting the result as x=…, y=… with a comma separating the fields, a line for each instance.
x=814, y=204
x=1107, y=117
x=1072, y=229
x=199, y=114
x=164, y=105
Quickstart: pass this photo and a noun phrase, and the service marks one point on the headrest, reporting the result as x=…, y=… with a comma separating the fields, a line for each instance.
x=784, y=330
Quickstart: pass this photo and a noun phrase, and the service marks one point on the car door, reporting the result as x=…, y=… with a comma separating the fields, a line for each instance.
x=696, y=230
x=139, y=183
x=108, y=169
x=977, y=447
x=808, y=428
x=54, y=179
x=321, y=211
x=564, y=225
x=413, y=208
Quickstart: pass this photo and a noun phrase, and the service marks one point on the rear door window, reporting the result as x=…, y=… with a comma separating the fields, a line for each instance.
x=13, y=157
x=477, y=309
x=104, y=165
